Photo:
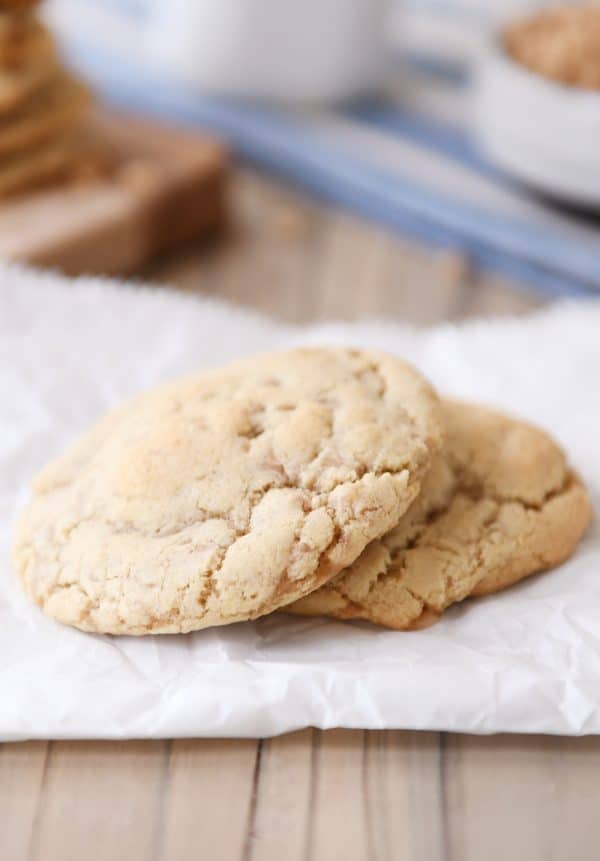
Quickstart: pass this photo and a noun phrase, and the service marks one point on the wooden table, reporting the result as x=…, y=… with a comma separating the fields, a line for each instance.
x=311, y=795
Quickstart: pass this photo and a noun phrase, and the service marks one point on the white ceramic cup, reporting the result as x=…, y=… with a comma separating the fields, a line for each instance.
x=282, y=50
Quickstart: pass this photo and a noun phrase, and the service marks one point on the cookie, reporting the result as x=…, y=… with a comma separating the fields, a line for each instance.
x=25, y=43
x=18, y=7
x=38, y=166
x=19, y=85
x=221, y=497
x=15, y=24
x=52, y=113
x=499, y=504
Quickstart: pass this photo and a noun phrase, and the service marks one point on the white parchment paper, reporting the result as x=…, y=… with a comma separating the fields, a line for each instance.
x=526, y=660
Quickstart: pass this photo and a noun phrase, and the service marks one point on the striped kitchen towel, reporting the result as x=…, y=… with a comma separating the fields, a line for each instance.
x=406, y=160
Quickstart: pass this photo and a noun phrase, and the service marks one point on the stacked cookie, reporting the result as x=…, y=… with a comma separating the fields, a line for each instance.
x=319, y=482
x=41, y=105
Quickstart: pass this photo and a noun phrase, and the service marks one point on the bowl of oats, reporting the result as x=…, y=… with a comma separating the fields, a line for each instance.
x=537, y=102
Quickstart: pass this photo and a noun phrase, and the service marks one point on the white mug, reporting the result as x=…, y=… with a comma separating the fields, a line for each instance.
x=282, y=50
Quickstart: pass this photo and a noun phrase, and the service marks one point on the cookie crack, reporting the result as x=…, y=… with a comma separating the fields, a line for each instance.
x=476, y=491
x=396, y=567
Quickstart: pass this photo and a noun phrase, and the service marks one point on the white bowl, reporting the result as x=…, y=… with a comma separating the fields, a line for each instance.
x=541, y=132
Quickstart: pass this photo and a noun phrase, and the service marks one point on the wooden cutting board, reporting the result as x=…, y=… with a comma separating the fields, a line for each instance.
x=165, y=187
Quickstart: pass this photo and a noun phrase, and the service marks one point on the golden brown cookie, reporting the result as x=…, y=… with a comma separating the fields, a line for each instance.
x=224, y=496
x=499, y=504
x=54, y=112
x=19, y=85
x=24, y=42
x=18, y=6
x=38, y=166
x=15, y=24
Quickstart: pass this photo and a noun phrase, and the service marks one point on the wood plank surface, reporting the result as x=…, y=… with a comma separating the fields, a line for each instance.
x=311, y=795
x=209, y=793
x=283, y=808
x=97, y=797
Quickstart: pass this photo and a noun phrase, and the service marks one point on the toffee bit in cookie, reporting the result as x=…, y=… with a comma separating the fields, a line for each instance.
x=562, y=44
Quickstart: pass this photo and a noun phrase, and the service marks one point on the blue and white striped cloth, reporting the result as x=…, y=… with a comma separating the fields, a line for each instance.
x=407, y=161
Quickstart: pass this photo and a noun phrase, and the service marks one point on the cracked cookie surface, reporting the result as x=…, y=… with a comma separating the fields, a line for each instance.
x=499, y=503
x=221, y=497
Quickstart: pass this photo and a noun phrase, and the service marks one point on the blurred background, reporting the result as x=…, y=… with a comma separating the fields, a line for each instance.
x=416, y=117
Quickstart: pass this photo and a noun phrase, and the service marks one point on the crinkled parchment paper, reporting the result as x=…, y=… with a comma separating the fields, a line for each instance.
x=526, y=660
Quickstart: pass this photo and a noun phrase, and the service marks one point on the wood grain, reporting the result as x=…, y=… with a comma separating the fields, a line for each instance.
x=283, y=811
x=208, y=798
x=97, y=798
x=341, y=812
x=311, y=795
x=542, y=791
x=406, y=795
x=22, y=774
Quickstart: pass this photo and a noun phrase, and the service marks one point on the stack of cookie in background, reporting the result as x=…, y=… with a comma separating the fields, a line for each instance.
x=91, y=190
x=41, y=105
